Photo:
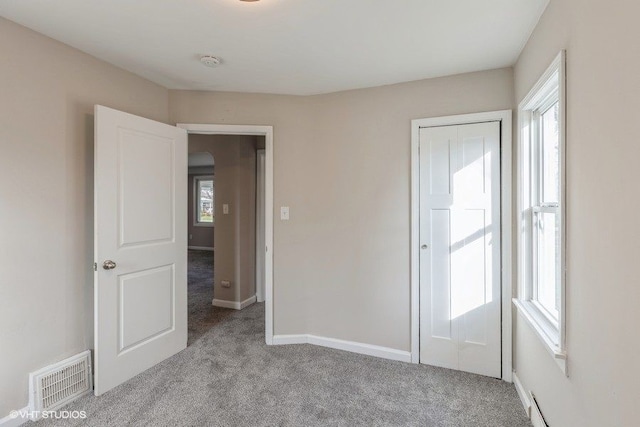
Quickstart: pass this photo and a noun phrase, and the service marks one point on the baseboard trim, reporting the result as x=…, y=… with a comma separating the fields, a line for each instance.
x=290, y=339
x=524, y=396
x=351, y=346
x=236, y=305
x=18, y=420
x=200, y=248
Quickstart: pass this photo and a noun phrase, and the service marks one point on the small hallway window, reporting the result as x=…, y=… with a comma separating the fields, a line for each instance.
x=205, y=200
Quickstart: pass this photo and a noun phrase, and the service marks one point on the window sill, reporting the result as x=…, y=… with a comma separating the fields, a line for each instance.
x=203, y=224
x=549, y=335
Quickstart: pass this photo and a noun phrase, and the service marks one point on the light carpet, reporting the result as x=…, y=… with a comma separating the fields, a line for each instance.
x=229, y=377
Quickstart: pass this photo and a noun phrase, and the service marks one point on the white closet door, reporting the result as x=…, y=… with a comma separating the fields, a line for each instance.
x=460, y=316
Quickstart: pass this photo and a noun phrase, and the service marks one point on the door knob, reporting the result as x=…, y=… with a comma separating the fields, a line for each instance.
x=108, y=265
x=424, y=247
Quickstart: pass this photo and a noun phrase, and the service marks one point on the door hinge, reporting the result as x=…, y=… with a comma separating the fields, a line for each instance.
x=95, y=266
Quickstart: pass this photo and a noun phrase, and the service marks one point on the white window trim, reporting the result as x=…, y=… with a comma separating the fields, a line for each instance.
x=552, y=335
x=196, y=200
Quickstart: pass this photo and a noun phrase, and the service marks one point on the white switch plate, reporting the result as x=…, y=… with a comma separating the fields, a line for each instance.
x=225, y=209
x=284, y=213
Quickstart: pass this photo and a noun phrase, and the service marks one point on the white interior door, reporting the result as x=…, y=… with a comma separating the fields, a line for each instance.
x=460, y=317
x=140, y=245
x=260, y=226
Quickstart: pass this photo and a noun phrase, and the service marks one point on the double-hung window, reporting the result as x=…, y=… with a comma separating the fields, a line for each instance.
x=204, y=199
x=541, y=242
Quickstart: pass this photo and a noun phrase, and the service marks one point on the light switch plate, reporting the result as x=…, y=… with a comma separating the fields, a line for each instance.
x=284, y=213
x=225, y=209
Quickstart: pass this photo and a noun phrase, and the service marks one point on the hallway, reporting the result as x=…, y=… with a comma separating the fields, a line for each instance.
x=202, y=315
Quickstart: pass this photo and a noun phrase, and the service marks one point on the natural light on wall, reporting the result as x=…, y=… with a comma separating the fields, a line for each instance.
x=541, y=207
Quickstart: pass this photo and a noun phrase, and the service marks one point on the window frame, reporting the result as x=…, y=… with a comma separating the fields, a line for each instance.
x=196, y=200
x=551, y=87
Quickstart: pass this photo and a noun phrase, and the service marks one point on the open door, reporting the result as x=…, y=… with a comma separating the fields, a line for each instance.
x=140, y=280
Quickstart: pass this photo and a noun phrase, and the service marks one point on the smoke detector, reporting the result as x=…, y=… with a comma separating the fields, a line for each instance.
x=210, y=60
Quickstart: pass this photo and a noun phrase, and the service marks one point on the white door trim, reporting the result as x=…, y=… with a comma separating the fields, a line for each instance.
x=260, y=198
x=505, y=118
x=267, y=132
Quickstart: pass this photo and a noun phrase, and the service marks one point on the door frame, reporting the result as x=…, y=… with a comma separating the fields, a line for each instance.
x=267, y=132
x=506, y=224
x=260, y=207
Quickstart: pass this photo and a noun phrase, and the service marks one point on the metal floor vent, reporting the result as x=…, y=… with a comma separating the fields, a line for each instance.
x=56, y=385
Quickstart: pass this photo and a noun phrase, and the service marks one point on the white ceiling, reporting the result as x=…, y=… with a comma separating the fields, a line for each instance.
x=288, y=46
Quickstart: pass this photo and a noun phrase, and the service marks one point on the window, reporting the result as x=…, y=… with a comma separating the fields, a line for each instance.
x=545, y=180
x=541, y=209
x=204, y=200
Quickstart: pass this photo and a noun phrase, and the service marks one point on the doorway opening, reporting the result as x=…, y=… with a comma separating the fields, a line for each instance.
x=230, y=204
x=141, y=240
x=200, y=257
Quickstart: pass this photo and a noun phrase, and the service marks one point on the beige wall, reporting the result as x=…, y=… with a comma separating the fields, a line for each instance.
x=235, y=185
x=341, y=163
x=46, y=197
x=603, y=295
x=289, y=115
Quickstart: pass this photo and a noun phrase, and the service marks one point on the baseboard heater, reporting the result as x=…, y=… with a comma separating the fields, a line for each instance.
x=56, y=385
x=537, y=420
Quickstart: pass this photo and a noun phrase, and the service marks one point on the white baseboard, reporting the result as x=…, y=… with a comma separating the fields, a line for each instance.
x=290, y=339
x=236, y=305
x=14, y=421
x=247, y=302
x=524, y=396
x=200, y=248
x=353, y=347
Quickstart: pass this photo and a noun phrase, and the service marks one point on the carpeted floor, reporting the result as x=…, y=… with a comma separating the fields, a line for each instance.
x=229, y=377
x=202, y=315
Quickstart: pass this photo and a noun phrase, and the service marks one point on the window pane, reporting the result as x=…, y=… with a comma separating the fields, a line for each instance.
x=205, y=201
x=548, y=283
x=550, y=155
